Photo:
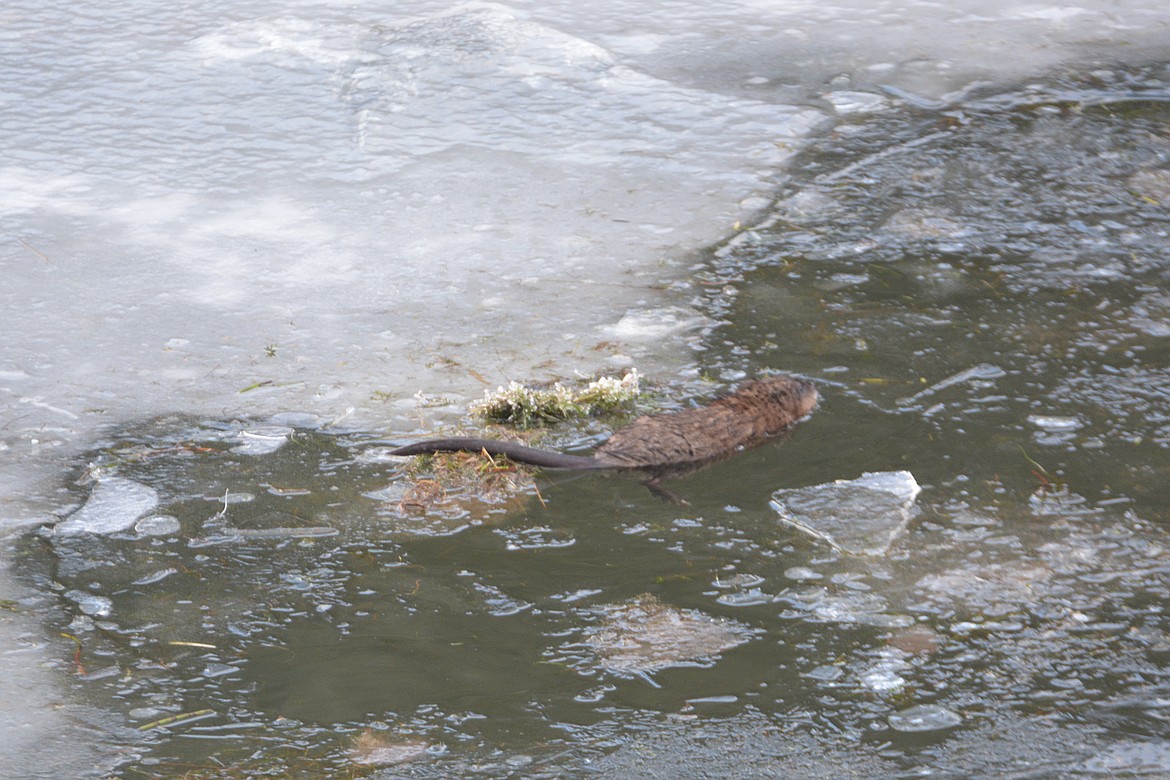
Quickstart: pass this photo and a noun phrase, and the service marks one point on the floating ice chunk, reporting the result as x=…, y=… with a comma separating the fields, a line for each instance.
x=826, y=673
x=860, y=516
x=538, y=538
x=239, y=535
x=219, y=670
x=114, y=505
x=820, y=605
x=1053, y=423
x=500, y=604
x=884, y=677
x=924, y=717
x=263, y=440
x=738, y=581
x=157, y=576
x=802, y=573
x=644, y=635
x=883, y=681
x=983, y=371
x=847, y=102
x=91, y=604
x=654, y=324
x=158, y=525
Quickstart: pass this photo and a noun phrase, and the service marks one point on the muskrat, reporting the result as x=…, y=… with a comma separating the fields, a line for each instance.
x=671, y=444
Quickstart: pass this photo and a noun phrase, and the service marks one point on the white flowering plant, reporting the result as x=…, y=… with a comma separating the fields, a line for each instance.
x=523, y=406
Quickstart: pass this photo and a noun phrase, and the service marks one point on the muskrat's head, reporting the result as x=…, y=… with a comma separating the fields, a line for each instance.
x=797, y=397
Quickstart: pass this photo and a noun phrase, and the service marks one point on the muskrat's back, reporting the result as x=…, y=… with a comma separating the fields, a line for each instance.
x=756, y=410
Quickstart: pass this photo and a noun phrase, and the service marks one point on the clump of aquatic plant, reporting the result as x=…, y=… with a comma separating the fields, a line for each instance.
x=446, y=478
x=607, y=393
x=521, y=405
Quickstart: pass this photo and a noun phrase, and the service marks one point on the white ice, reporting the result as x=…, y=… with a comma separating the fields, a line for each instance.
x=860, y=516
x=115, y=504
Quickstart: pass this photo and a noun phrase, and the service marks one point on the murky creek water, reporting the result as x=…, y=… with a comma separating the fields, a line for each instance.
x=981, y=295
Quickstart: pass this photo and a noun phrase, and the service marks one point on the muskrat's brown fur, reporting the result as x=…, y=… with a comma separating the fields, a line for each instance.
x=666, y=445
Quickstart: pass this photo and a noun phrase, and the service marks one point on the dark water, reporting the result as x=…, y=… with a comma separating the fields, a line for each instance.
x=981, y=294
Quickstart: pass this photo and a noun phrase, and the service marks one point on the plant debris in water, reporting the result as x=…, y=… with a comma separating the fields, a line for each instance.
x=645, y=635
x=523, y=406
x=446, y=478
x=382, y=749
